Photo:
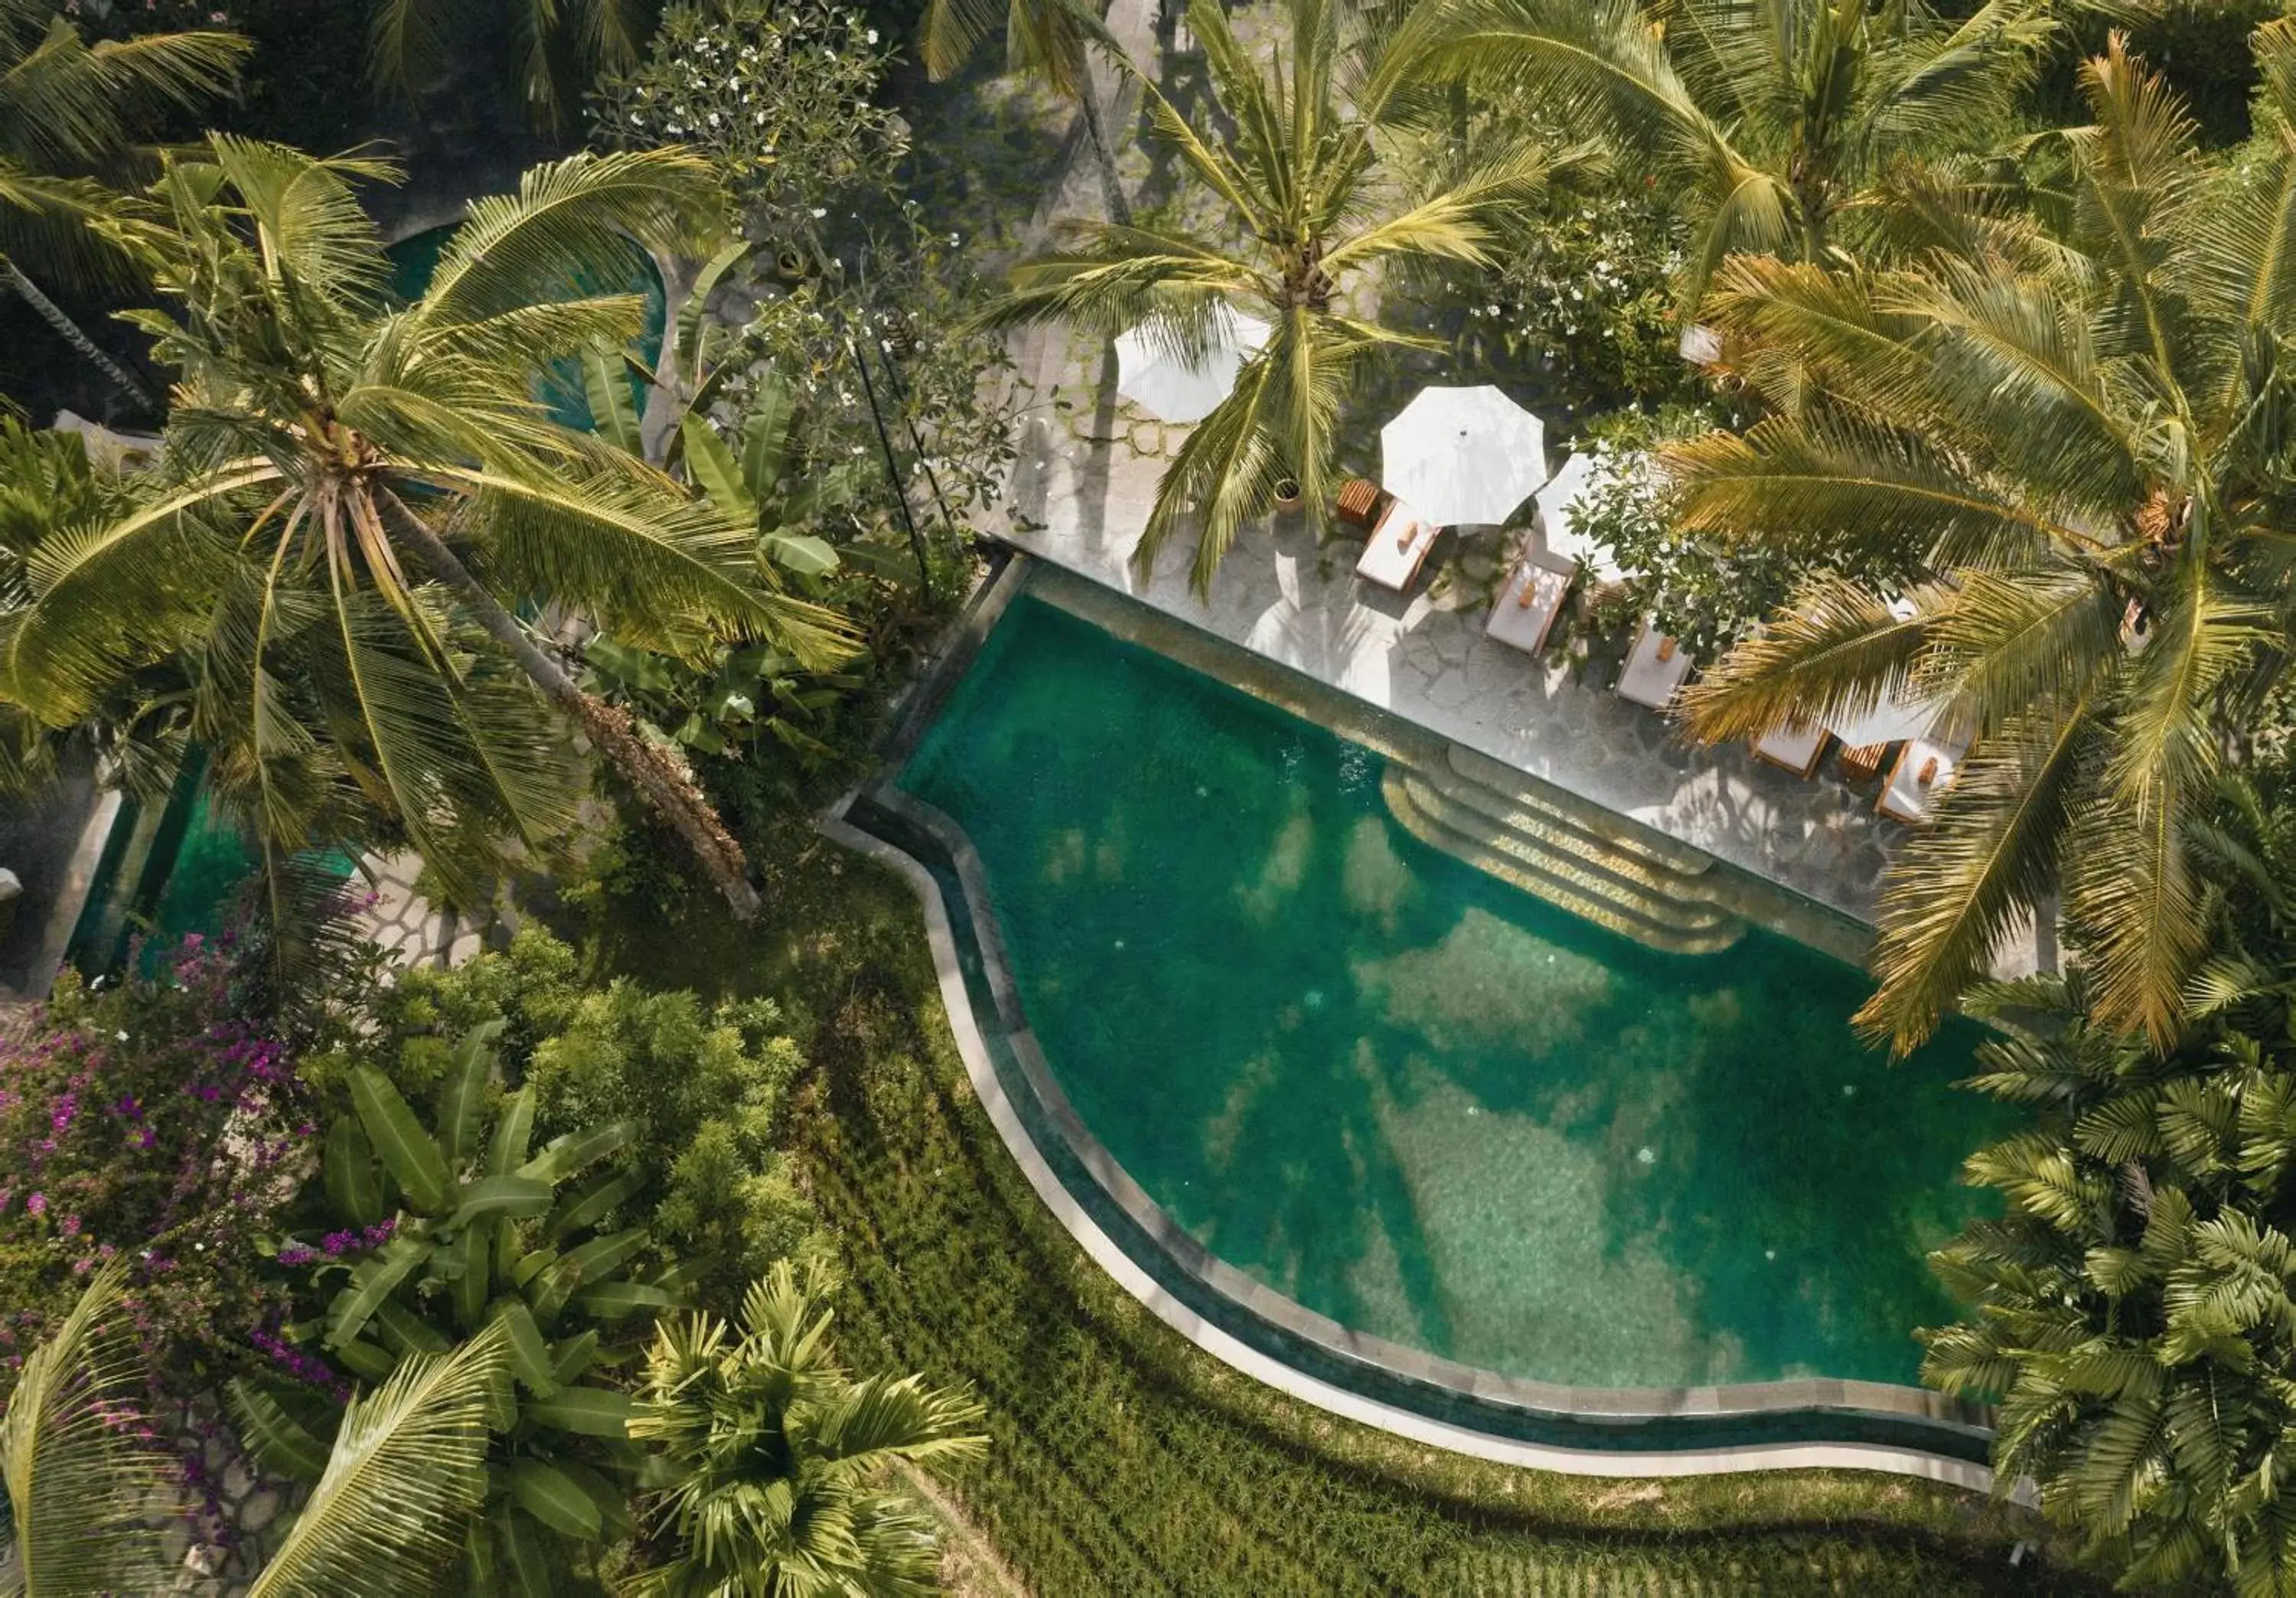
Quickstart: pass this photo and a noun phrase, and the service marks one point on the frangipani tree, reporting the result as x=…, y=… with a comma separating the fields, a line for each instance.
x=1314, y=198
x=358, y=496
x=1774, y=117
x=2085, y=443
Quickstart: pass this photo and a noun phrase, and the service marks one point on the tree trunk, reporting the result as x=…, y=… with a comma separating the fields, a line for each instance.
x=55, y=316
x=612, y=731
x=1119, y=210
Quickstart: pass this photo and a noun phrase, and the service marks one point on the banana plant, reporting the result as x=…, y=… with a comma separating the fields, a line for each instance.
x=484, y=1233
x=741, y=691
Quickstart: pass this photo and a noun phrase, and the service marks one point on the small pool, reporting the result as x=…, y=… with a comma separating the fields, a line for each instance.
x=1411, y=1097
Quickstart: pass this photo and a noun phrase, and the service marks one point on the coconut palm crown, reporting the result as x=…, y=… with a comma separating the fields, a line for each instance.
x=2084, y=440
x=1313, y=198
x=770, y=1459
x=358, y=496
x=1774, y=117
x=69, y=112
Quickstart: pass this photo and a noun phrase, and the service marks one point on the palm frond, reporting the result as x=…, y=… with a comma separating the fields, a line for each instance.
x=569, y=222
x=80, y=1487
x=1990, y=855
x=407, y=1466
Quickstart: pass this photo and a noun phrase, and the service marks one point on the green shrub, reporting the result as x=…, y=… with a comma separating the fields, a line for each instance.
x=702, y=1083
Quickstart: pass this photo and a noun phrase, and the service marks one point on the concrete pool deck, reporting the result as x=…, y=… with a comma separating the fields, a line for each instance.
x=1085, y=490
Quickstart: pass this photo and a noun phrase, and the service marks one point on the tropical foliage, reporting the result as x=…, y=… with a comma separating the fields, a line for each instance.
x=770, y=1461
x=1778, y=123
x=1050, y=41
x=358, y=495
x=560, y=48
x=471, y=1231
x=406, y=1468
x=48, y=486
x=2070, y=438
x=79, y=1483
x=69, y=114
x=2132, y=1308
x=1314, y=200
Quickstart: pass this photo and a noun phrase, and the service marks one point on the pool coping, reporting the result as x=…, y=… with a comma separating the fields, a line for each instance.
x=1911, y=1417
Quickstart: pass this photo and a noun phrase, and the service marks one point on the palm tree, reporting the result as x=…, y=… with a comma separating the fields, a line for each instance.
x=408, y=1467
x=2131, y=1309
x=1317, y=200
x=770, y=1457
x=1048, y=40
x=1774, y=117
x=357, y=496
x=2075, y=438
x=562, y=47
x=68, y=115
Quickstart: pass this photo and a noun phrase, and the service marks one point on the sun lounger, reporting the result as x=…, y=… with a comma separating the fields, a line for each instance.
x=1796, y=750
x=1654, y=670
x=1398, y=545
x=1925, y=768
x=1531, y=600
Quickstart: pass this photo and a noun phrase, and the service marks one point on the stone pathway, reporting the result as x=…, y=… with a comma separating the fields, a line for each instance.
x=408, y=926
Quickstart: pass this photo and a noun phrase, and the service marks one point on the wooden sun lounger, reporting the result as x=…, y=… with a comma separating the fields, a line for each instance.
x=1654, y=670
x=1797, y=750
x=1924, y=769
x=1859, y=764
x=1532, y=599
x=1398, y=547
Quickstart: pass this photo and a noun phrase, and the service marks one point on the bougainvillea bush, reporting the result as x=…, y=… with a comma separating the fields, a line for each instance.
x=152, y=1117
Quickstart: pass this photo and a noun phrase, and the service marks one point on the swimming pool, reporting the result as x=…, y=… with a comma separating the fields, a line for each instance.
x=1410, y=1097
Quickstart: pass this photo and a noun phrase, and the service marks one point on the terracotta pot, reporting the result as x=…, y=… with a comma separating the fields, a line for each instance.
x=1287, y=493
x=791, y=265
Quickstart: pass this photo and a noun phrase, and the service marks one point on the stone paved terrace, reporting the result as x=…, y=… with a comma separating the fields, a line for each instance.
x=1088, y=476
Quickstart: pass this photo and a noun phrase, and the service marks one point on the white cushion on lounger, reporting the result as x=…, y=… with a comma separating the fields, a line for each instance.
x=1545, y=578
x=1794, y=747
x=1648, y=680
x=1907, y=798
x=1386, y=561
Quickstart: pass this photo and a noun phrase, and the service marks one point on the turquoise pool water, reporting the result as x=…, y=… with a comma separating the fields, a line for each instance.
x=1415, y=1099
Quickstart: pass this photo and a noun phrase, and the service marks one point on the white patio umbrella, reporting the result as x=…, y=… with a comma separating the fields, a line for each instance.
x=1152, y=376
x=1463, y=455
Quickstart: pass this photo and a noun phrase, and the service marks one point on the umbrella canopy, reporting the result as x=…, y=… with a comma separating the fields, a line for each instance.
x=1152, y=376
x=1463, y=455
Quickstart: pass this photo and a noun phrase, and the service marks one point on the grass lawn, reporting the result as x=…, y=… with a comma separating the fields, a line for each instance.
x=1124, y=1461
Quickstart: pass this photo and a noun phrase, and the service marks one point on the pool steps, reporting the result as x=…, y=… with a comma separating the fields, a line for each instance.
x=1660, y=898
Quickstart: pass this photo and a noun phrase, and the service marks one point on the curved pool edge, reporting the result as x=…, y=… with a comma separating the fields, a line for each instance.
x=1789, y=1425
